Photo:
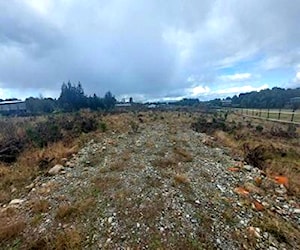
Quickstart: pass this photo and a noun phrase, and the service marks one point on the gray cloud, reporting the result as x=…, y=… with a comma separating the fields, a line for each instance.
x=143, y=48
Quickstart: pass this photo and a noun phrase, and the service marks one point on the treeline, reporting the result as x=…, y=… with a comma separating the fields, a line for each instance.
x=72, y=98
x=268, y=98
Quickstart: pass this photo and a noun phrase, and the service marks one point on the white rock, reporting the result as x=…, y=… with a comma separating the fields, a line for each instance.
x=30, y=186
x=110, y=219
x=272, y=248
x=16, y=201
x=56, y=169
x=222, y=189
x=297, y=211
x=248, y=167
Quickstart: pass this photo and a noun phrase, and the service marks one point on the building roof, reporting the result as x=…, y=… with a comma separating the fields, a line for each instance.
x=11, y=102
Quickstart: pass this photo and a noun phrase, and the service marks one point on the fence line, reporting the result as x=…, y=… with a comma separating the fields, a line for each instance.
x=277, y=115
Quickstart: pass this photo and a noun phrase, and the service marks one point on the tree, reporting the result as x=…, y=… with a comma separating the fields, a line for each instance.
x=40, y=105
x=72, y=97
x=109, y=101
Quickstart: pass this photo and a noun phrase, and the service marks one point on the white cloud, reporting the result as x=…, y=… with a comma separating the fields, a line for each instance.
x=196, y=91
x=146, y=47
x=297, y=78
x=238, y=77
x=240, y=89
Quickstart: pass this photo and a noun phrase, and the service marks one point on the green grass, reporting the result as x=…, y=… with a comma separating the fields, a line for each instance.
x=285, y=114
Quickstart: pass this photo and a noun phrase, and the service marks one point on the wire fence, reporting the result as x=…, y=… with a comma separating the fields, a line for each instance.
x=279, y=115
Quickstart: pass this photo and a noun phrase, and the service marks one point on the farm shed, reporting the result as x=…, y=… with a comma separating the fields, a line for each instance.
x=12, y=107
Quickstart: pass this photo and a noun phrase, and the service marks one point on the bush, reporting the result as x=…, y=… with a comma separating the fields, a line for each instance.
x=44, y=132
x=290, y=132
x=202, y=125
x=9, y=150
x=103, y=126
x=259, y=128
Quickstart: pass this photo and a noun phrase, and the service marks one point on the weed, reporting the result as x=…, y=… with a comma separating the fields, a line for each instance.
x=134, y=126
x=40, y=206
x=164, y=162
x=36, y=219
x=65, y=211
x=183, y=155
x=181, y=179
x=103, y=126
x=69, y=239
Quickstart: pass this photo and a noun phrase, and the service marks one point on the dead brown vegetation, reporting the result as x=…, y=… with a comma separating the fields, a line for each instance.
x=274, y=148
x=10, y=228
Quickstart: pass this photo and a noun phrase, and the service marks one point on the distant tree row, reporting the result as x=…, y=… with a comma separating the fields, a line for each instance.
x=267, y=98
x=72, y=98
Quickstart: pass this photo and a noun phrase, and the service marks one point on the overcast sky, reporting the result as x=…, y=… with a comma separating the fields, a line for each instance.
x=148, y=49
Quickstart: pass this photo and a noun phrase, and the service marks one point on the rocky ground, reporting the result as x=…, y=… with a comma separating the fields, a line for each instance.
x=154, y=183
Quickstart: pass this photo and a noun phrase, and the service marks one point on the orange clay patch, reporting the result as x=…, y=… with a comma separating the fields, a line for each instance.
x=258, y=206
x=241, y=191
x=258, y=181
x=233, y=169
x=281, y=180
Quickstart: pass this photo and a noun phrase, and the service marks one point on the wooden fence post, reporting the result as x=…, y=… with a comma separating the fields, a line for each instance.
x=293, y=114
x=279, y=114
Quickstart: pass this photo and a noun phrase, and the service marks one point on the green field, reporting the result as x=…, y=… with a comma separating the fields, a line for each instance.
x=273, y=114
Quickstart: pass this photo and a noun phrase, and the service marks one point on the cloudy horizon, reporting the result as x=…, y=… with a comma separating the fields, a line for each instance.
x=150, y=50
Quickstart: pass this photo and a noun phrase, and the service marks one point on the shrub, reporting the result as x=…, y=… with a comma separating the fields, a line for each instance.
x=203, y=125
x=44, y=132
x=84, y=124
x=290, y=132
x=103, y=126
x=9, y=150
x=134, y=126
x=259, y=128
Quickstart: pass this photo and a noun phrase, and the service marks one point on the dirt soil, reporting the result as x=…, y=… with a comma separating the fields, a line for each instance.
x=151, y=182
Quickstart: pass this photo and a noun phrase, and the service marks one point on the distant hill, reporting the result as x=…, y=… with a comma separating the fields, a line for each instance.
x=267, y=98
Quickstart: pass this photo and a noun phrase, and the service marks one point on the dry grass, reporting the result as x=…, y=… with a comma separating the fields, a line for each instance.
x=10, y=229
x=29, y=166
x=85, y=205
x=165, y=162
x=65, y=211
x=11, y=225
x=277, y=155
x=181, y=179
x=117, y=165
x=283, y=231
x=67, y=239
x=107, y=184
x=183, y=155
x=40, y=206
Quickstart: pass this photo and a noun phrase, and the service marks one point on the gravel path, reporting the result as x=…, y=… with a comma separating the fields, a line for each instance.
x=159, y=186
